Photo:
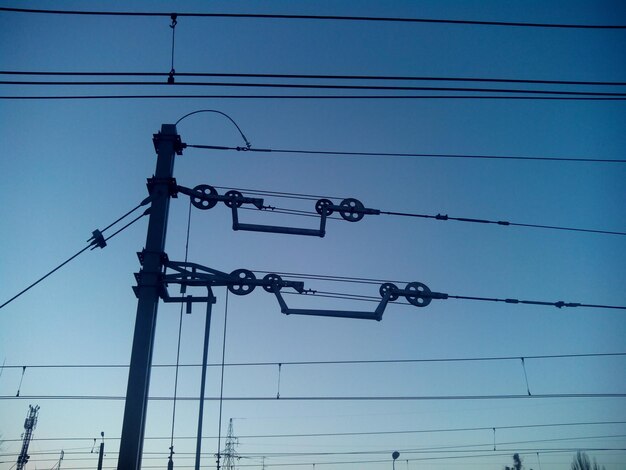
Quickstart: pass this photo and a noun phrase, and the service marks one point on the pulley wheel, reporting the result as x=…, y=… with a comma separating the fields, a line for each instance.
x=234, y=198
x=244, y=276
x=274, y=281
x=323, y=206
x=422, y=294
x=202, y=203
x=350, y=206
x=390, y=288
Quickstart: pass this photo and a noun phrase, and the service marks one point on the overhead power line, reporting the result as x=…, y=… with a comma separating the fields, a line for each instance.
x=340, y=434
x=358, y=433
x=328, y=362
x=317, y=86
x=316, y=17
x=328, y=398
x=308, y=97
x=402, y=154
x=404, y=451
x=442, y=296
x=440, y=217
x=315, y=76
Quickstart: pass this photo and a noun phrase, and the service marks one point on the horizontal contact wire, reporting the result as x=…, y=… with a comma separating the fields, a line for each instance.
x=313, y=17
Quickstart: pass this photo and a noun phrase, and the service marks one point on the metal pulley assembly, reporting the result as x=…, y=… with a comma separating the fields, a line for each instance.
x=208, y=201
x=243, y=282
x=206, y=197
x=244, y=286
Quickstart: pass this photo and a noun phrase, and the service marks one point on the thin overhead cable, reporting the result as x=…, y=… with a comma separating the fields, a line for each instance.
x=497, y=454
x=443, y=217
x=316, y=17
x=440, y=217
x=97, y=240
x=340, y=434
x=312, y=86
x=330, y=398
x=328, y=362
x=558, y=304
x=410, y=451
x=294, y=76
x=403, y=154
x=308, y=97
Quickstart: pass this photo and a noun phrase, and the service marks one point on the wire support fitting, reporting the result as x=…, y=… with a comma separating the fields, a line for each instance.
x=243, y=282
x=170, y=76
x=206, y=197
x=178, y=144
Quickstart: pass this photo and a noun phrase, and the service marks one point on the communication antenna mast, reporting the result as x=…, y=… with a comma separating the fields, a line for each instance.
x=229, y=448
x=29, y=426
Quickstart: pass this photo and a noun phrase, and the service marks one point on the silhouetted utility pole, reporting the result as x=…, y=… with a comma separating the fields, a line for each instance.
x=29, y=426
x=158, y=272
x=167, y=144
x=101, y=453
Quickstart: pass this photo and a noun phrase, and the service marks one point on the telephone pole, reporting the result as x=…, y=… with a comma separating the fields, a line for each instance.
x=167, y=145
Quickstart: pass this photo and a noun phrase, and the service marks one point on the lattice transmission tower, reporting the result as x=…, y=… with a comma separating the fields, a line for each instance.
x=230, y=455
x=29, y=426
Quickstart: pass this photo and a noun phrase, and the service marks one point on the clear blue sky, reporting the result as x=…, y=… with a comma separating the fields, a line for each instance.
x=69, y=167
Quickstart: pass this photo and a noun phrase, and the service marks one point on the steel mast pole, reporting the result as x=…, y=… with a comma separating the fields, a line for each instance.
x=167, y=144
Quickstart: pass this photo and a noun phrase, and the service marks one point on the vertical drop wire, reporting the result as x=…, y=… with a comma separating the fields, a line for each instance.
x=170, y=462
x=280, y=365
x=538, y=461
x=525, y=376
x=494, y=439
x=19, y=387
x=205, y=355
x=219, y=429
x=170, y=78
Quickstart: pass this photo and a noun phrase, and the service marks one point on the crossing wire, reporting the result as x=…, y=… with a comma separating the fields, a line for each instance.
x=559, y=304
x=312, y=86
x=363, y=433
x=317, y=17
x=438, y=216
x=316, y=76
x=328, y=362
x=419, y=450
x=330, y=397
x=401, y=154
x=307, y=97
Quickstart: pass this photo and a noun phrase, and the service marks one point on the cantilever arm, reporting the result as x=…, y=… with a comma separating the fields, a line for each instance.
x=375, y=315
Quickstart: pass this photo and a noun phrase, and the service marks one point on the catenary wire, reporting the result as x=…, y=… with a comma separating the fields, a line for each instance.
x=559, y=304
x=402, y=154
x=327, y=362
x=309, y=97
x=445, y=217
x=386, y=461
x=318, y=87
x=315, y=17
x=439, y=217
x=419, y=450
x=340, y=434
x=330, y=397
x=319, y=77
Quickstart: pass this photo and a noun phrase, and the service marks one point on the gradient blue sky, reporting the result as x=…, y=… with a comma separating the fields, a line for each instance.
x=69, y=167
